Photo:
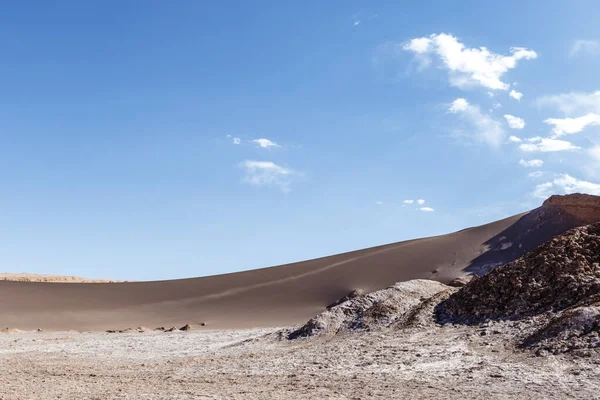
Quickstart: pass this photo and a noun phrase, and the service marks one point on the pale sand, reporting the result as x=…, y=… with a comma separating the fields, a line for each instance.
x=440, y=362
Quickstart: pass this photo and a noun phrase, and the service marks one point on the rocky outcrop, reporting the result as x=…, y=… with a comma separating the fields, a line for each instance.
x=559, y=274
x=583, y=207
x=556, y=216
x=562, y=273
x=574, y=330
x=381, y=309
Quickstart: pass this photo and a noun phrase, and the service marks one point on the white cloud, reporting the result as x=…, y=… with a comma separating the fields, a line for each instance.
x=566, y=184
x=515, y=139
x=420, y=201
x=515, y=95
x=585, y=46
x=408, y=201
x=536, y=174
x=426, y=209
x=574, y=103
x=267, y=173
x=459, y=105
x=265, y=143
x=237, y=140
x=543, y=190
x=594, y=152
x=514, y=122
x=379, y=202
x=531, y=163
x=356, y=22
x=496, y=106
x=468, y=67
x=486, y=129
x=567, y=126
x=546, y=145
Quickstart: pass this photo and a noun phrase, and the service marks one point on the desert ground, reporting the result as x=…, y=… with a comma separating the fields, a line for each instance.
x=454, y=362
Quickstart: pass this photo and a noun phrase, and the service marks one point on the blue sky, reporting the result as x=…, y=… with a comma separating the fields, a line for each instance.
x=167, y=140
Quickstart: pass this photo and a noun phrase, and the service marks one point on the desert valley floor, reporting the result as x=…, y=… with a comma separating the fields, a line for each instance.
x=451, y=362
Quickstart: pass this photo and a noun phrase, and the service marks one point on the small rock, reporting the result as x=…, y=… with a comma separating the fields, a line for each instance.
x=186, y=328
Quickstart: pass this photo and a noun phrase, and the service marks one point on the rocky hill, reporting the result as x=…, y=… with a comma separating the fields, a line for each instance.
x=559, y=274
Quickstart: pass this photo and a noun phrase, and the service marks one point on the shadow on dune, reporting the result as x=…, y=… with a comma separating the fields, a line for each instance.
x=529, y=232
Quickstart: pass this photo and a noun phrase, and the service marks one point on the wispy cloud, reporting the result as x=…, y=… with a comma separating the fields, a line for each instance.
x=594, y=152
x=267, y=173
x=515, y=139
x=467, y=67
x=408, y=202
x=531, y=163
x=546, y=145
x=514, y=122
x=236, y=140
x=567, y=126
x=420, y=201
x=565, y=184
x=536, y=174
x=481, y=126
x=426, y=209
x=574, y=103
x=265, y=143
x=585, y=47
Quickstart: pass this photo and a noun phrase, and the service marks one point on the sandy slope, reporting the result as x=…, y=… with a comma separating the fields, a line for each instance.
x=275, y=296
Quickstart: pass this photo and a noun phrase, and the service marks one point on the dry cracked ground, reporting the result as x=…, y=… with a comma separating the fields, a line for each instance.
x=450, y=361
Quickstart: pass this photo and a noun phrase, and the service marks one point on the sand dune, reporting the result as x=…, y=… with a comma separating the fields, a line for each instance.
x=292, y=293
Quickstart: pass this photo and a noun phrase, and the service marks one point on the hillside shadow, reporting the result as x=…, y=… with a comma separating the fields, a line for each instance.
x=525, y=235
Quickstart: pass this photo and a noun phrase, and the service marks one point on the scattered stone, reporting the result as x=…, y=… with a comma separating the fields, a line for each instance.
x=186, y=328
x=171, y=329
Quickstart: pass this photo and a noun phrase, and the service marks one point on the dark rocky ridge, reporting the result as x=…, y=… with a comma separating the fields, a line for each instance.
x=584, y=208
x=557, y=215
x=559, y=274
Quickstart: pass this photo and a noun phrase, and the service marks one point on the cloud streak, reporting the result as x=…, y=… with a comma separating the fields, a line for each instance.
x=565, y=184
x=482, y=127
x=546, y=145
x=266, y=143
x=267, y=173
x=467, y=67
